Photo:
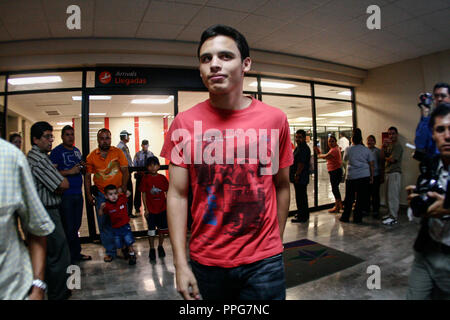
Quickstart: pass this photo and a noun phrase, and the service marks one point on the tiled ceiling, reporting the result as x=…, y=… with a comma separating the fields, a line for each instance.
x=329, y=30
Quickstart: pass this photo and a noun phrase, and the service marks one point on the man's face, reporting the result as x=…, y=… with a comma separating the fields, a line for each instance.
x=104, y=141
x=370, y=142
x=441, y=135
x=68, y=137
x=45, y=142
x=153, y=168
x=112, y=195
x=125, y=138
x=221, y=67
x=392, y=135
x=17, y=142
x=145, y=147
x=441, y=95
x=299, y=139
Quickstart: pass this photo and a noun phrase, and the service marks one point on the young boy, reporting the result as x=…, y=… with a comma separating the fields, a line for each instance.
x=154, y=187
x=116, y=208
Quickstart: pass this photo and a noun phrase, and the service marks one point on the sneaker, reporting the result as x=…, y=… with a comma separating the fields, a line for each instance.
x=152, y=255
x=161, y=252
x=132, y=259
x=389, y=221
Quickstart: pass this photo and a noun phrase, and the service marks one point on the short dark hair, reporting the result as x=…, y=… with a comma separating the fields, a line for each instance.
x=373, y=137
x=302, y=132
x=103, y=130
x=37, y=130
x=13, y=136
x=357, y=136
x=152, y=160
x=110, y=187
x=393, y=128
x=332, y=136
x=67, y=127
x=441, y=85
x=223, y=30
x=441, y=111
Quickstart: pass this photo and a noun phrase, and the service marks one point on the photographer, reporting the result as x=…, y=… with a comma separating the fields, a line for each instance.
x=425, y=146
x=430, y=274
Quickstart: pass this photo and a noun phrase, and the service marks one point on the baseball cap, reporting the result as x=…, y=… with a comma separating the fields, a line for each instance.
x=124, y=132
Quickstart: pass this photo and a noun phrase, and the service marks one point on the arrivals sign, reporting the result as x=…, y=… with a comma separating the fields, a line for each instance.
x=133, y=78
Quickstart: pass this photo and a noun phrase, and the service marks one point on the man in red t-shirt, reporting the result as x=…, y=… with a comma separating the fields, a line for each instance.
x=154, y=187
x=115, y=207
x=234, y=152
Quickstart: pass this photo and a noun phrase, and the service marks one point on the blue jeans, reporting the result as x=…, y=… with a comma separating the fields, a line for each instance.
x=105, y=228
x=71, y=214
x=261, y=280
x=123, y=236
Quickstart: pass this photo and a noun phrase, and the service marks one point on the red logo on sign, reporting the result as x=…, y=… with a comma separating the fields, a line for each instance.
x=105, y=77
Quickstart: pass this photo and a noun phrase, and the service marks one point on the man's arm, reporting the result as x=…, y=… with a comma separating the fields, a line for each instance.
x=87, y=187
x=283, y=192
x=177, y=203
x=37, y=247
x=125, y=176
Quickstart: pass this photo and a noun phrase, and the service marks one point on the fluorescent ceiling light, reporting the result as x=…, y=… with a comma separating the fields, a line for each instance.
x=95, y=122
x=346, y=113
x=78, y=98
x=144, y=114
x=152, y=101
x=96, y=114
x=345, y=93
x=271, y=84
x=337, y=122
x=64, y=123
x=34, y=80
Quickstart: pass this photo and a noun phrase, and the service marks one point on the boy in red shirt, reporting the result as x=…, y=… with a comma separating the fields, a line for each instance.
x=154, y=187
x=116, y=208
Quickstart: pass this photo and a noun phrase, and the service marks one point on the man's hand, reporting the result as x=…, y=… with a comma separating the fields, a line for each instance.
x=187, y=284
x=437, y=210
x=425, y=111
x=76, y=169
x=36, y=294
x=411, y=193
x=128, y=193
x=90, y=199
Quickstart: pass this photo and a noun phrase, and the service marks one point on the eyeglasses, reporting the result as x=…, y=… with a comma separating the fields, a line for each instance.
x=48, y=136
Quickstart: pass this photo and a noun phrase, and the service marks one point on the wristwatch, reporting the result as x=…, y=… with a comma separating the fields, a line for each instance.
x=40, y=284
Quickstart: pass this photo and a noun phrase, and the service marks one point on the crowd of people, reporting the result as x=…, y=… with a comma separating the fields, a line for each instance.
x=239, y=207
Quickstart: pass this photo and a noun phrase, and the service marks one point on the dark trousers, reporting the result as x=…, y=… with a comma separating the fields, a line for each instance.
x=130, y=198
x=71, y=214
x=374, y=195
x=261, y=280
x=301, y=199
x=137, y=194
x=360, y=187
x=58, y=259
x=335, y=180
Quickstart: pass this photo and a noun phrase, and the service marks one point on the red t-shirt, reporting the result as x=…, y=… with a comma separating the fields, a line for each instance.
x=335, y=162
x=155, y=188
x=117, y=211
x=234, y=207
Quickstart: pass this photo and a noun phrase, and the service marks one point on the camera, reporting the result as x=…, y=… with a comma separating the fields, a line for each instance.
x=428, y=181
x=426, y=99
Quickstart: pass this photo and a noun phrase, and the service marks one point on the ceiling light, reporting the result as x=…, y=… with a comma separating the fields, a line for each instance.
x=346, y=113
x=143, y=114
x=345, y=93
x=270, y=84
x=78, y=98
x=152, y=101
x=34, y=80
x=64, y=123
x=337, y=122
x=95, y=122
x=96, y=114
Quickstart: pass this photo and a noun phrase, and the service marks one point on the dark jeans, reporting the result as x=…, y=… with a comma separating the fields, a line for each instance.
x=335, y=180
x=261, y=280
x=301, y=199
x=57, y=259
x=374, y=195
x=137, y=194
x=361, y=188
x=71, y=214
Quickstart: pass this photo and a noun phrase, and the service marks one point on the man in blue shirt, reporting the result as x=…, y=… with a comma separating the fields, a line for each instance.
x=425, y=146
x=67, y=159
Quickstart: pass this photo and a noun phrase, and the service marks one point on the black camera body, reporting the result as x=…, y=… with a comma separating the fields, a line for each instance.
x=426, y=99
x=428, y=180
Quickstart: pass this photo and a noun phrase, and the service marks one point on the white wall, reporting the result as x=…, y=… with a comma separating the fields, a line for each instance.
x=389, y=97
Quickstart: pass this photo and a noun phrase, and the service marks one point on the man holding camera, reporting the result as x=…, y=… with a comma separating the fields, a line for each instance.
x=425, y=146
x=430, y=274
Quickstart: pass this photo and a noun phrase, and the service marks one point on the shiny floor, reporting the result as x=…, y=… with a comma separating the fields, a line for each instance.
x=388, y=247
